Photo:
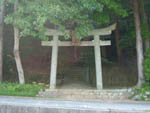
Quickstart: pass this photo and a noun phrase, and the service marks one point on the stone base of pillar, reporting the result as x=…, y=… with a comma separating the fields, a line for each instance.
x=52, y=86
x=99, y=87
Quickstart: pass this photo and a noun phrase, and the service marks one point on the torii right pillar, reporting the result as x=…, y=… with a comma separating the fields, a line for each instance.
x=97, y=50
x=98, y=63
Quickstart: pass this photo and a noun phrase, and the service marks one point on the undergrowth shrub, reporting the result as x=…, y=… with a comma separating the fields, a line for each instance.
x=144, y=92
x=147, y=66
x=15, y=89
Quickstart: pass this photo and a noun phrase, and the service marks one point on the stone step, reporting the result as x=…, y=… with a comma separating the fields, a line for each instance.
x=118, y=94
x=87, y=92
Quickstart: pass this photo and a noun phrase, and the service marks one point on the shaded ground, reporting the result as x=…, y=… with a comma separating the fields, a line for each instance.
x=71, y=84
x=114, y=76
x=74, y=78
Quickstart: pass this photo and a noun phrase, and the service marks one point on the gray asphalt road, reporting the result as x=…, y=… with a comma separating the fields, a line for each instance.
x=104, y=106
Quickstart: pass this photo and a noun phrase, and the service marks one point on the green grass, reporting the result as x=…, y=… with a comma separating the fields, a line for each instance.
x=15, y=89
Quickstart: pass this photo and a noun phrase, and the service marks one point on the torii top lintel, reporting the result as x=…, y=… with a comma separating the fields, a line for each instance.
x=96, y=32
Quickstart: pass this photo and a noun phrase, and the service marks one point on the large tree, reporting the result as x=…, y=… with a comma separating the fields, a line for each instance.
x=16, y=50
x=1, y=37
x=139, y=43
x=117, y=39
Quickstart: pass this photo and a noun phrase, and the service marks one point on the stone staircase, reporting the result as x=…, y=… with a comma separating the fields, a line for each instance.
x=76, y=88
x=86, y=95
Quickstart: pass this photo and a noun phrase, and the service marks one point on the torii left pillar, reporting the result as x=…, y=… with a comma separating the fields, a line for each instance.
x=54, y=62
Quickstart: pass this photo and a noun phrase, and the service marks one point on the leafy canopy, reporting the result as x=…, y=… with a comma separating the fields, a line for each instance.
x=32, y=16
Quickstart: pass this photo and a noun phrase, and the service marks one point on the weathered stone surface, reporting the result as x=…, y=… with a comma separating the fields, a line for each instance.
x=118, y=94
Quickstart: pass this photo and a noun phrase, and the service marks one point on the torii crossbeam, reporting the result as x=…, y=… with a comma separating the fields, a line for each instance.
x=96, y=43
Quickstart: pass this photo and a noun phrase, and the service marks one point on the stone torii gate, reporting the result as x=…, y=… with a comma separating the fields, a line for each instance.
x=55, y=43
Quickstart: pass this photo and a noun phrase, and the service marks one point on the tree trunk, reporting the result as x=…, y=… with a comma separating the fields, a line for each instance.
x=117, y=38
x=16, y=52
x=139, y=44
x=145, y=22
x=2, y=5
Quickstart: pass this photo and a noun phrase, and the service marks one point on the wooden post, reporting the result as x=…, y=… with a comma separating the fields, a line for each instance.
x=54, y=63
x=99, y=82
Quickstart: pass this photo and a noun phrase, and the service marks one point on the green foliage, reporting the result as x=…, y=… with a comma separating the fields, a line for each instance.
x=32, y=16
x=1, y=1
x=15, y=89
x=128, y=41
x=127, y=30
x=147, y=65
x=145, y=31
x=143, y=93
